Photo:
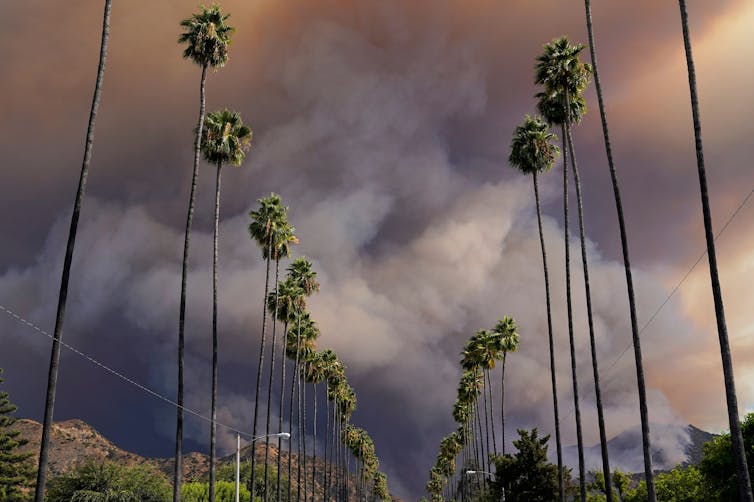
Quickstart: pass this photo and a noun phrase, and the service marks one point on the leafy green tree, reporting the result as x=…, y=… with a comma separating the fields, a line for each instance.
x=109, y=482
x=718, y=466
x=207, y=39
x=526, y=476
x=16, y=472
x=225, y=140
x=621, y=483
x=682, y=484
x=739, y=450
x=52, y=377
x=199, y=492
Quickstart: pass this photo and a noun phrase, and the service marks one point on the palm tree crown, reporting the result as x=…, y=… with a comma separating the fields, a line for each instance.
x=207, y=37
x=225, y=138
x=531, y=148
x=559, y=67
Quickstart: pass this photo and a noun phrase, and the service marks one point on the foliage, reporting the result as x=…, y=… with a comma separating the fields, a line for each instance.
x=207, y=37
x=621, y=483
x=16, y=472
x=224, y=492
x=717, y=465
x=526, y=476
x=225, y=138
x=531, y=147
x=110, y=482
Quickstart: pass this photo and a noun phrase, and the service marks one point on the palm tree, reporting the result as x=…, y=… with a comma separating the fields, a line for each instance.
x=207, y=38
x=532, y=152
x=300, y=343
x=564, y=77
x=52, y=378
x=508, y=340
x=627, y=265
x=289, y=302
x=742, y=471
x=316, y=372
x=284, y=236
x=333, y=369
x=225, y=140
x=264, y=226
x=300, y=273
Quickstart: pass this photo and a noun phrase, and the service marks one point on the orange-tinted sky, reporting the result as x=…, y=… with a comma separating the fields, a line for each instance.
x=385, y=126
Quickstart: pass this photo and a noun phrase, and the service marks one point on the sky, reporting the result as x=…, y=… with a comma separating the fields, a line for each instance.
x=385, y=126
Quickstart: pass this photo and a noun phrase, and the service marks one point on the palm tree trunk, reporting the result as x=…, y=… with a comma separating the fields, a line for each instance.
x=314, y=443
x=646, y=445
x=502, y=401
x=269, y=385
x=294, y=386
x=481, y=438
x=592, y=342
x=52, y=378
x=561, y=487
x=327, y=445
x=492, y=407
x=486, y=416
x=742, y=471
x=280, y=412
x=213, y=424
x=577, y=410
x=252, y=481
x=305, y=475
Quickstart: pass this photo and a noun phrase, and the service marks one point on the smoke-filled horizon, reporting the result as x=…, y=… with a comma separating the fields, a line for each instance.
x=385, y=126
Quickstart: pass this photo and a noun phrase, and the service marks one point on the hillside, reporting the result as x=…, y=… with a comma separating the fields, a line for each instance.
x=75, y=441
x=671, y=445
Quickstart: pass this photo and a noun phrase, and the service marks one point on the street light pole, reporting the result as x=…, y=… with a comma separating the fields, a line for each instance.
x=238, y=467
x=281, y=435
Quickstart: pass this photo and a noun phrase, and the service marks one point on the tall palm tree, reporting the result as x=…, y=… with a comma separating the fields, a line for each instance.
x=555, y=99
x=508, y=338
x=52, y=378
x=207, y=38
x=299, y=347
x=742, y=471
x=332, y=369
x=316, y=372
x=476, y=356
x=284, y=237
x=263, y=229
x=290, y=301
x=302, y=274
x=627, y=266
x=564, y=77
x=532, y=152
x=225, y=140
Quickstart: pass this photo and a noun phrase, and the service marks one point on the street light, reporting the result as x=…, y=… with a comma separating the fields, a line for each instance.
x=470, y=473
x=281, y=435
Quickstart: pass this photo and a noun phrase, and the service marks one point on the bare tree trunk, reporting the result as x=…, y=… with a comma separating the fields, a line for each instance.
x=561, y=486
x=213, y=425
x=742, y=471
x=592, y=342
x=646, y=445
x=577, y=410
x=270, y=384
x=52, y=378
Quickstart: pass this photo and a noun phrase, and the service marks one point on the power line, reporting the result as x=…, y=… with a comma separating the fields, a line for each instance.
x=120, y=375
x=607, y=381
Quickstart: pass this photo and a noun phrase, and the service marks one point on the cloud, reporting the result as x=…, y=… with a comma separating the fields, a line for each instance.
x=385, y=127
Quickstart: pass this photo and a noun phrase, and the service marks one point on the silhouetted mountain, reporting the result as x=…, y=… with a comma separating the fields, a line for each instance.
x=671, y=445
